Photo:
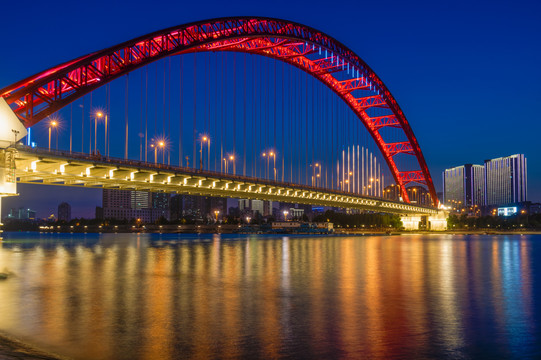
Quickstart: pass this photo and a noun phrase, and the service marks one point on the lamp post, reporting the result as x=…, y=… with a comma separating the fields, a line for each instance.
x=216, y=213
x=161, y=144
x=51, y=125
x=266, y=168
x=99, y=114
x=203, y=140
x=155, y=153
x=248, y=219
x=232, y=159
x=273, y=154
x=285, y=215
x=106, y=138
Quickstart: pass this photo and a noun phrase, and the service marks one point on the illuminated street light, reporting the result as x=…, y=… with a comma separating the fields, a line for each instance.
x=160, y=144
x=52, y=124
x=216, y=212
x=99, y=114
x=285, y=215
x=273, y=154
x=232, y=159
x=267, y=167
x=204, y=139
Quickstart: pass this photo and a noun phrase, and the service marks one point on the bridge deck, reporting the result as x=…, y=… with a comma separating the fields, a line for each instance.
x=84, y=170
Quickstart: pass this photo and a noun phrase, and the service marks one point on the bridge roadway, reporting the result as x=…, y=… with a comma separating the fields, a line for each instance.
x=42, y=166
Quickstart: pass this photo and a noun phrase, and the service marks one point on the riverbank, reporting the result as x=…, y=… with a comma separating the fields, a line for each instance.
x=14, y=349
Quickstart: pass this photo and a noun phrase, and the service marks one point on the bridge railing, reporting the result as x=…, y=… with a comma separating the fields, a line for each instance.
x=98, y=158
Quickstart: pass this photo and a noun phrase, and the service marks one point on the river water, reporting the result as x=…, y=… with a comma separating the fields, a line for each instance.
x=129, y=296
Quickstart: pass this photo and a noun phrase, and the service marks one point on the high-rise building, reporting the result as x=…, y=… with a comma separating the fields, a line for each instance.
x=419, y=195
x=129, y=205
x=499, y=181
x=253, y=207
x=22, y=214
x=197, y=207
x=506, y=180
x=392, y=192
x=463, y=186
x=64, y=212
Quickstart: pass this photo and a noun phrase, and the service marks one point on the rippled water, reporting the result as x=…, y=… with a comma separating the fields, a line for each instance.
x=185, y=296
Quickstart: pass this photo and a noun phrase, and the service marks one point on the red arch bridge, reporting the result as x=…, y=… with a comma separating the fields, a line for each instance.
x=363, y=96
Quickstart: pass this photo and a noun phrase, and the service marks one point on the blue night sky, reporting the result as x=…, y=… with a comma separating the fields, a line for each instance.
x=466, y=74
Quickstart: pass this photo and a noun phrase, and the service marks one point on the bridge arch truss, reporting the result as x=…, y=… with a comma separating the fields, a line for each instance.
x=338, y=67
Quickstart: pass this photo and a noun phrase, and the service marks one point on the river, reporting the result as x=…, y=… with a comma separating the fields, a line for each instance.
x=152, y=296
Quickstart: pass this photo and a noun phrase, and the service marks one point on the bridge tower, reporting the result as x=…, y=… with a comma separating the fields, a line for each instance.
x=11, y=130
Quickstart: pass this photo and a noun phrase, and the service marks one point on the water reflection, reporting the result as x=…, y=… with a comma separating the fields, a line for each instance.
x=164, y=296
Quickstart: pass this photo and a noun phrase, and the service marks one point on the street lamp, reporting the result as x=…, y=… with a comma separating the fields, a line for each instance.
x=216, y=213
x=161, y=144
x=266, y=168
x=204, y=139
x=232, y=159
x=99, y=114
x=273, y=154
x=248, y=219
x=51, y=125
x=285, y=215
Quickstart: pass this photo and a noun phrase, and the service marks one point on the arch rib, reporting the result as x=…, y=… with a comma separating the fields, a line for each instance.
x=40, y=95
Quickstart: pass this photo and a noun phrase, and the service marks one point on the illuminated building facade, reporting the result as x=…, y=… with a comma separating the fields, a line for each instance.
x=463, y=186
x=506, y=180
x=130, y=205
x=419, y=195
x=64, y=212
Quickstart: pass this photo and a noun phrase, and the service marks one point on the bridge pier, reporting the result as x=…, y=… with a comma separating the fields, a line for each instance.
x=437, y=222
x=11, y=130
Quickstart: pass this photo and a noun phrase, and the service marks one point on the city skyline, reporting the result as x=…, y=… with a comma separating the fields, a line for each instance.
x=430, y=132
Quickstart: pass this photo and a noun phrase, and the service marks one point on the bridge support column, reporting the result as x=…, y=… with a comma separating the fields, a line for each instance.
x=8, y=181
x=11, y=131
x=437, y=222
x=411, y=222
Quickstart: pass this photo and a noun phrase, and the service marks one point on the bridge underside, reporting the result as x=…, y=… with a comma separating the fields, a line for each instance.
x=81, y=170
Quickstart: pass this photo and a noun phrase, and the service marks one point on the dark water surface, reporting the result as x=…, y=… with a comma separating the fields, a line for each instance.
x=131, y=296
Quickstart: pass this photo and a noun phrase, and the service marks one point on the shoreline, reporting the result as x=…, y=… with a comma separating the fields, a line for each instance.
x=12, y=348
x=339, y=232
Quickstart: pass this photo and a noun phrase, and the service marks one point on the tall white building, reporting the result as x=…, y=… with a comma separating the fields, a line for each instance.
x=464, y=186
x=499, y=181
x=506, y=180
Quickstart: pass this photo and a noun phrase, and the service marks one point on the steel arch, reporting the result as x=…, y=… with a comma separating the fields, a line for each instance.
x=40, y=95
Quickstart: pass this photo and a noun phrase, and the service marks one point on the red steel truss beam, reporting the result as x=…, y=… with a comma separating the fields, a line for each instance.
x=384, y=121
x=371, y=101
x=40, y=95
x=354, y=84
x=399, y=148
x=412, y=176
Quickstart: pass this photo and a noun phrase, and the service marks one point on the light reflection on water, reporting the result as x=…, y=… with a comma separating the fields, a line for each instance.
x=126, y=296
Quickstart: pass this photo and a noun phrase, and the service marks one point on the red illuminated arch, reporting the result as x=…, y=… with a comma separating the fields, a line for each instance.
x=318, y=54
